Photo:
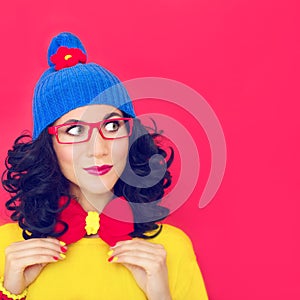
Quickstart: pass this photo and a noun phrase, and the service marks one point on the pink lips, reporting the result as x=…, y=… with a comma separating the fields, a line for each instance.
x=98, y=171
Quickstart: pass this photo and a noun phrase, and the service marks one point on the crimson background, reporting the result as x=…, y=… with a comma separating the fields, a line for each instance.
x=243, y=57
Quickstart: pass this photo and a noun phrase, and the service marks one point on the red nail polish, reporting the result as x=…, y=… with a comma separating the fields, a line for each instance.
x=55, y=257
x=63, y=249
x=110, y=259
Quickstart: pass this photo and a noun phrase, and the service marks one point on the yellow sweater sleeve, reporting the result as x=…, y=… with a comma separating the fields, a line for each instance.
x=189, y=283
x=185, y=278
x=9, y=233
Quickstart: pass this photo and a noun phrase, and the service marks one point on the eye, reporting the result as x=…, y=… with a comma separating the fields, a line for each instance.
x=112, y=126
x=76, y=130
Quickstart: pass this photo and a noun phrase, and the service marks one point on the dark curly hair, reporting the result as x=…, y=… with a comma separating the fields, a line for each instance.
x=35, y=182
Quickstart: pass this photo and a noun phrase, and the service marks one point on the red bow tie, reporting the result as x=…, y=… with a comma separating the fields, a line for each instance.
x=110, y=224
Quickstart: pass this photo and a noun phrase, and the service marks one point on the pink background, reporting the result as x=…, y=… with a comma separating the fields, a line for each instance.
x=243, y=57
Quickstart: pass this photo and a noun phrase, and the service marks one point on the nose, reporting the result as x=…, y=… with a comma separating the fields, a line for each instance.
x=97, y=145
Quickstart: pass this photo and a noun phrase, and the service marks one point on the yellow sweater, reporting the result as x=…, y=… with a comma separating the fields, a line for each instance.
x=86, y=274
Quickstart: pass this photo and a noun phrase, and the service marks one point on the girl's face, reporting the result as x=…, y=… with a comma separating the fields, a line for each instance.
x=92, y=167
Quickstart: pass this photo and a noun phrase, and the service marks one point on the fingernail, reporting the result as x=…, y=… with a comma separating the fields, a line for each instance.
x=62, y=243
x=63, y=249
x=63, y=256
x=110, y=252
x=113, y=259
x=55, y=257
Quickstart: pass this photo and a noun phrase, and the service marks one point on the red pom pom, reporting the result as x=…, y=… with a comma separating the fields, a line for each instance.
x=67, y=57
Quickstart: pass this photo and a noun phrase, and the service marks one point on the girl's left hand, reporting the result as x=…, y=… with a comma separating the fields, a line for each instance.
x=147, y=263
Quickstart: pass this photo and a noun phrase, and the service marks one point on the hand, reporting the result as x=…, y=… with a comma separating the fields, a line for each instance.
x=25, y=260
x=147, y=263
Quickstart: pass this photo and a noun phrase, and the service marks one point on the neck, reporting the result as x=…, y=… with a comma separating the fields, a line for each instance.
x=90, y=201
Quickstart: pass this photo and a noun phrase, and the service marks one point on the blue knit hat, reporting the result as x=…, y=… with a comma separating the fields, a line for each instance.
x=70, y=83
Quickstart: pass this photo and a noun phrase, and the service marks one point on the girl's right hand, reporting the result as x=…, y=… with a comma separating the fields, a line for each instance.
x=25, y=260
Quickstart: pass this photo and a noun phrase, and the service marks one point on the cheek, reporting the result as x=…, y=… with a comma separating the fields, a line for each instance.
x=66, y=158
x=119, y=151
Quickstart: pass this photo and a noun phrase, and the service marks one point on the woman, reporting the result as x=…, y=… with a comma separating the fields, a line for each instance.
x=84, y=196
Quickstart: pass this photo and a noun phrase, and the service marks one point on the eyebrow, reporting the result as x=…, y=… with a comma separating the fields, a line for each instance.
x=112, y=115
x=106, y=117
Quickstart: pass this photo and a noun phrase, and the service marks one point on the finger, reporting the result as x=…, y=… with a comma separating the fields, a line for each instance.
x=18, y=266
x=35, y=246
x=36, y=242
x=18, y=254
x=136, y=252
x=136, y=241
x=135, y=246
x=34, y=260
x=151, y=265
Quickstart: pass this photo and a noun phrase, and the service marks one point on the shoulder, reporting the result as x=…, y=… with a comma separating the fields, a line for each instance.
x=10, y=233
x=172, y=232
x=185, y=277
x=175, y=240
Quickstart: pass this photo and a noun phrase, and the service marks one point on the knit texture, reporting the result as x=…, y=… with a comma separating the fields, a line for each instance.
x=59, y=91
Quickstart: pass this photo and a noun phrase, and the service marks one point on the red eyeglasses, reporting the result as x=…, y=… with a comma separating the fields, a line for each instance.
x=80, y=132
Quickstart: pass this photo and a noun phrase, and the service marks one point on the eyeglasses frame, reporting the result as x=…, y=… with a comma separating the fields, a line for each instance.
x=53, y=130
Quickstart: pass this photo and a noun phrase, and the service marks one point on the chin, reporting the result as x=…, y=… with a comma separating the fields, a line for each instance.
x=97, y=188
